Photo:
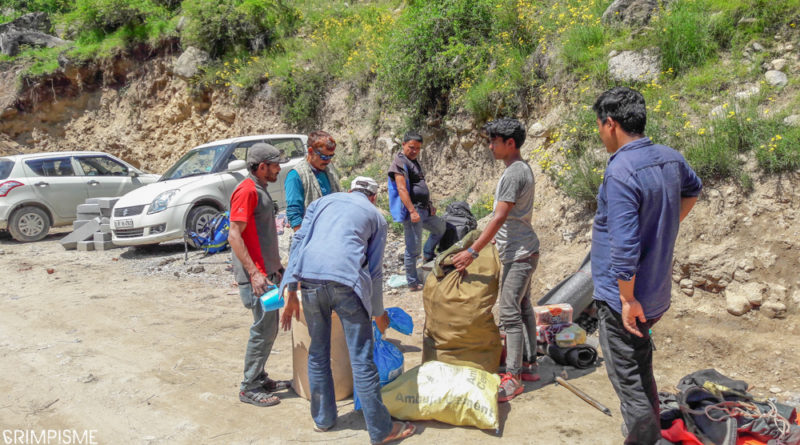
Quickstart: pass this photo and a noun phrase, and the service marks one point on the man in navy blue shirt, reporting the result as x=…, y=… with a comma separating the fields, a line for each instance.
x=647, y=190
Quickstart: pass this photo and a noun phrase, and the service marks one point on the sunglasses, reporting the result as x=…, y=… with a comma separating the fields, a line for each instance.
x=322, y=156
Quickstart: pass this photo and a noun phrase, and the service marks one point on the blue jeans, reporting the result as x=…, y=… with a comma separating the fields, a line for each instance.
x=319, y=299
x=413, y=234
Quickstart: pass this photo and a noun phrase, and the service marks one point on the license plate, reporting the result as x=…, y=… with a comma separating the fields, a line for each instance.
x=123, y=223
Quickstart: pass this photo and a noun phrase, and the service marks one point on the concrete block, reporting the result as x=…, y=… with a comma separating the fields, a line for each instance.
x=104, y=203
x=85, y=246
x=78, y=223
x=105, y=228
x=102, y=237
x=83, y=233
x=87, y=216
x=90, y=209
x=104, y=245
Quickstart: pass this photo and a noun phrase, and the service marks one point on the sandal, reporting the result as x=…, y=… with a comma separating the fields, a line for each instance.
x=275, y=385
x=259, y=398
x=415, y=287
x=320, y=429
x=400, y=431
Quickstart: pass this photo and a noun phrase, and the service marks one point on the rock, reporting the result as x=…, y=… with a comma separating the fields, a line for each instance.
x=792, y=120
x=227, y=116
x=630, y=12
x=635, y=66
x=188, y=64
x=747, y=21
x=774, y=309
x=34, y=21
x=757, y=47
x=181, y=23
x=689, y=291
x=196, y=269
x=11, y=40
x=778, y=64
x=736, y=304
x=686, y=283
x=537, y=130
x=776, y=78
x=51, y=271
x=748, y=93
x=386, y=145
x=775, y=390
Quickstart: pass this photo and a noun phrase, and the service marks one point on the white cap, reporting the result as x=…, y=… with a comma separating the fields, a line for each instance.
x=364, y=183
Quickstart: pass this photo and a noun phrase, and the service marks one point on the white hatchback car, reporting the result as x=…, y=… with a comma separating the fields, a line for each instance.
x=43, y=190
x=195, y=189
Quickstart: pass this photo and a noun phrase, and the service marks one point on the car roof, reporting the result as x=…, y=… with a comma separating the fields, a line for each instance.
x=250, y=138
x=51, y=154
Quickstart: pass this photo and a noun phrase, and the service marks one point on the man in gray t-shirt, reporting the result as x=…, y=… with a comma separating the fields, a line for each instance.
x=518, y=247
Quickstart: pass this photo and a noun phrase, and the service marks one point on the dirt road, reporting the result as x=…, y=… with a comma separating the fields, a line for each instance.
x=138, y=355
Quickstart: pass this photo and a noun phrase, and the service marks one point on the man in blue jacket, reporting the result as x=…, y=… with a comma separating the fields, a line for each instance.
x=647, y=190
x=337, y=257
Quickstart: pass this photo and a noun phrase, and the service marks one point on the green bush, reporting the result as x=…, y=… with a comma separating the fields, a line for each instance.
x=51, y=6
x=106, y=16
x=233, y=26
x=685, y=36
x=483, y=206
x=432, y=48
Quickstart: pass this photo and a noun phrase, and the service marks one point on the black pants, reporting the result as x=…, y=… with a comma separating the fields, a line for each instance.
x=629, y=363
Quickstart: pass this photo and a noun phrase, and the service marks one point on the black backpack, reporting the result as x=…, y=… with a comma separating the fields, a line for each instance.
x=459, y=221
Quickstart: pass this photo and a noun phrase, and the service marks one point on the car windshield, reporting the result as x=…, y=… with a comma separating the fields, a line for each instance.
x=197, y=162
x=5, y=168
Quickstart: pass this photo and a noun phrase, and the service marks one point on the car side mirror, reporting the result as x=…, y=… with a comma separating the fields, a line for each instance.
x=133, y=173
x=236, y=165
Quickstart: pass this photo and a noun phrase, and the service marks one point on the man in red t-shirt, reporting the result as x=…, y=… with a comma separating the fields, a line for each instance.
x=256, y=266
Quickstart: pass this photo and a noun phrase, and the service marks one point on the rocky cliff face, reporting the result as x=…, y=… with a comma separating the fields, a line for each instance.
x=736, y=251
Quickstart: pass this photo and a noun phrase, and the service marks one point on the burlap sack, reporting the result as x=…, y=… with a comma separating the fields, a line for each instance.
x=459, y=327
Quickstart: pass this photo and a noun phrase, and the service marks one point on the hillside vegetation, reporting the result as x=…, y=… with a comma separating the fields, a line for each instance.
x=487, y=58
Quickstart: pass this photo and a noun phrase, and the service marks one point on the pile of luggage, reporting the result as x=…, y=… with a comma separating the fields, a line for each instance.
x=560, y=338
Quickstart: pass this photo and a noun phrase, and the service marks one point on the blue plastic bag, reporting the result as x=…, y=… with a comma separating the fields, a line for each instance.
x=387, y=358
x=400, y=321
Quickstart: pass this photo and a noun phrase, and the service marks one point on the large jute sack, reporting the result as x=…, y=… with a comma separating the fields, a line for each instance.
x=459, y=326
x=458, y=395
x=340, y=358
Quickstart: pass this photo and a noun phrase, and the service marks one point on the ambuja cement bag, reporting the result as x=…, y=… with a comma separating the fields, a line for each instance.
x=457, y=395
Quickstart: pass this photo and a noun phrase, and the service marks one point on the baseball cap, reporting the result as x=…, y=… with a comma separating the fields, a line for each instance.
x=364, y=183
x=263, y=152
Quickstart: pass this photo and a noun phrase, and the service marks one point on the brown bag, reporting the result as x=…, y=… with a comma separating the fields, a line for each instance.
x=459, y=326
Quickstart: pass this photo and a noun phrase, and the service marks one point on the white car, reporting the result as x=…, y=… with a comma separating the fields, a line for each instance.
x=43, y=190
x=195, y=189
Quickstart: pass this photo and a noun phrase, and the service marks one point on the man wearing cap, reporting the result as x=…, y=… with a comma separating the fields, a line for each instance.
x=312, y=178
x=337, y=256
x=257, y=265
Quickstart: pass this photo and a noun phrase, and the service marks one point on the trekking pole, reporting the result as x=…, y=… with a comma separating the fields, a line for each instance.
x=586, y=398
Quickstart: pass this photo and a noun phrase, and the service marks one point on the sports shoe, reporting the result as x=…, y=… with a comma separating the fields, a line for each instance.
x=510, y=387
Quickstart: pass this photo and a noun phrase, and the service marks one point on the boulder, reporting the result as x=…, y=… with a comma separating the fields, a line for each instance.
x=776, y=78
x=188, y=64
x=736, y=304
x=773, y=309
x=792, y=120
x=748, y=93
x=630, y=12
x=11, y=40
x=35, y=21
x=537, y=130
x=635, y=66
x=778, y=64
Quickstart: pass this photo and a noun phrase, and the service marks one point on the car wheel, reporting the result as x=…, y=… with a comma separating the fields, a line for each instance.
x=29, y=224
x=197, y=219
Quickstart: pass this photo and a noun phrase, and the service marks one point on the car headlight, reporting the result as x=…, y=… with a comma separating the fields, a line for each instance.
x=162, y=201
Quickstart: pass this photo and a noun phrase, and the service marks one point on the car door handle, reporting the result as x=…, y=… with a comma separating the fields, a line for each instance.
x=42, y=184
x=93, y=182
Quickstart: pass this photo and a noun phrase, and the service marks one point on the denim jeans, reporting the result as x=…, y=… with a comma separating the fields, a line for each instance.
x=319, y=299
x=629, y=364
x=262, y=335
x=516, y=311
x=413, y=234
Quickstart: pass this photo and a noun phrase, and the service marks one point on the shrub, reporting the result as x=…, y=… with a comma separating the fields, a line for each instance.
x=483, y=206
x=106, y=16
x=685, y=36
x=222, y=26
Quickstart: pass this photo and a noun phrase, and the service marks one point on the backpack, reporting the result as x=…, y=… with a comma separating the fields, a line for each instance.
x=458, y=221
x=396, y=207
x=213, y=237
